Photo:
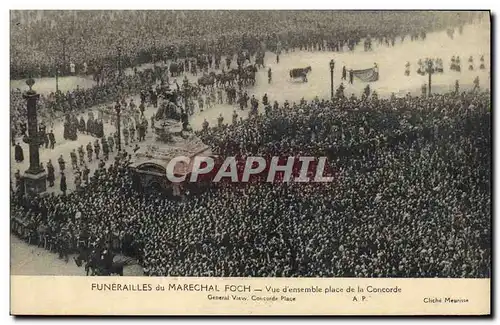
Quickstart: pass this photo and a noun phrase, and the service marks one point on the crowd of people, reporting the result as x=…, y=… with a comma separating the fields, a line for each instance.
x=411, y=197
x=58, y=104
x=73, y=42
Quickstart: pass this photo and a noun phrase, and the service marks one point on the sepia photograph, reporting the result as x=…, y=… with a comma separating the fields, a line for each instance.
x=268, y=144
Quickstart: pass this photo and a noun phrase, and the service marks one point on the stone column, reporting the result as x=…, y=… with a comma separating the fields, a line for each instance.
x=35, y=177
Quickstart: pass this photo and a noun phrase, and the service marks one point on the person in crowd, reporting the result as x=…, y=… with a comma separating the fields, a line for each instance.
x=74, y=159
x=125, y=135
x=235, y=117
x=89, y=151
x=62, y=163
x=52, y=139
x=63, y=185
x=46, y=140
x=18, y=153
x=97, y=148
x=81, y=155
x=50, y=173
x=105, y=149
x=18, y=179
x=111, y=142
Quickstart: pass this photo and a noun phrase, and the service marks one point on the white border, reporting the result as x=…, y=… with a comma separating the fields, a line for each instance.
x=200, y=4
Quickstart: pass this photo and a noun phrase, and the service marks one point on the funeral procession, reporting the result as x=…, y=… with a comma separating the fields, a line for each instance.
x=270, y=143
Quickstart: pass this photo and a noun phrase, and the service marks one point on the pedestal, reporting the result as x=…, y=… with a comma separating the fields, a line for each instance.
x=35, y=183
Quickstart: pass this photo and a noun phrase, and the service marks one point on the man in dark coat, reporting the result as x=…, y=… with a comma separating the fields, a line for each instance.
x=89, y=151
x=81, y=126
x=52, y=139
x=50, y=173
x=97, y=148
x=105, y=148
x=86, y=172
x=18, y=178
x=265, y=100
x=154, y=101
x=13, y=134
x=142, y=131
x=111, y=142
x=235, y=117
x=62, y=163
x=351, y=76
x=344, y=73
x=46, y=140
x=220, y=120
x=90, y=126
x=66, y=132
x=99, y=129
x=18, y=153
x=63, y=187
x=81, y=155
x=143, y=96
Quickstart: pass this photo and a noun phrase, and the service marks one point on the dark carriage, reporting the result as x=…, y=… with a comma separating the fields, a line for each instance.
x=300, y=73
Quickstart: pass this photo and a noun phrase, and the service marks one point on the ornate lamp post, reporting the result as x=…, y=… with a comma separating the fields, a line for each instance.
x=35, y=177
x=118, y=126
x=332, y=67
x=429, y=70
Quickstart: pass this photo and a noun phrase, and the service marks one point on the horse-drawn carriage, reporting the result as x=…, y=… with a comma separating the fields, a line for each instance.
x=99, y=261
x=176, y=68
x=300, y=73
x=248, y=74
x=207, y=80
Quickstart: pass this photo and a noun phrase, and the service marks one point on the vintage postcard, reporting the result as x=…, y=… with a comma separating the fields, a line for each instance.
x=244, y=162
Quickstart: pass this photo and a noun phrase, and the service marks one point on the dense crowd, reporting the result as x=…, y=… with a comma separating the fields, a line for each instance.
x=411, y=197
x=74, y=41
x=56, y=104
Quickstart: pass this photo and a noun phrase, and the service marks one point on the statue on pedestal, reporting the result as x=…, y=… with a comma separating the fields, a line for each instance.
x=163, y=134
x=167, y=110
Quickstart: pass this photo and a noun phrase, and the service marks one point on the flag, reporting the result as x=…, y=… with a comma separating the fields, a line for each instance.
x=367, y=75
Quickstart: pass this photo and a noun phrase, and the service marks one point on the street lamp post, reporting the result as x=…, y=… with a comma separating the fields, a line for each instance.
x=62, y=43
x=118, y=126
x=64, y=53
x=154, y=53
x=35, y=177
x=185, y=85
x=57, y=78
x=332, y=68
x=429, y=70
x=156, y=75
x=119, y=48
